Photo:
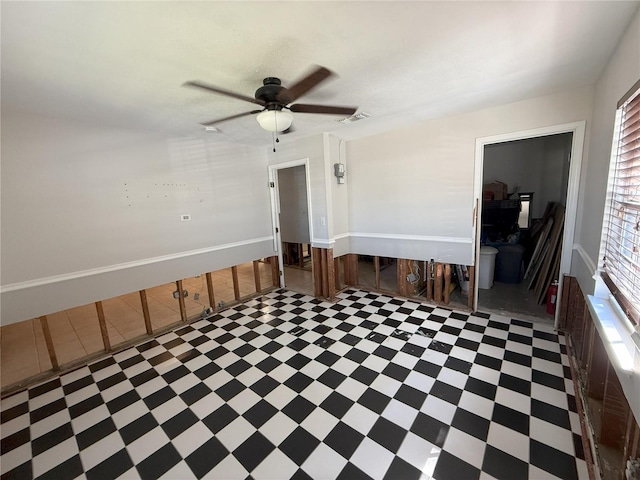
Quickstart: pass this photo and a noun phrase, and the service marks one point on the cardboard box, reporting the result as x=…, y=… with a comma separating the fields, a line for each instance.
x=494, y=191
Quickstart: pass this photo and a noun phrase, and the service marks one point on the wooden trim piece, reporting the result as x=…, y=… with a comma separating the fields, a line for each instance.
x=212, y=298
x=353, y=269
x=49, y=341
x=597, y=372
x=300, y=256
x=437, y=289
x=447, y=283
x=402, y=276
x=236, y=284
x=586, y=335
x=275, y=271
x=316, y=260
x=563, y=316
x=615, y=411
x=183, y=307
x=256, y=275
x=376, y=267
x=429, y=292
x=346, y=265
x=103, y=327
x=336, y=273
x=324, y=264
x=331, y=275
x=472, y=282
x=145, y=312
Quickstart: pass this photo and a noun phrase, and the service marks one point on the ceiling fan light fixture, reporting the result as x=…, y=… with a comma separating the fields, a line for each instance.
x=274, y=120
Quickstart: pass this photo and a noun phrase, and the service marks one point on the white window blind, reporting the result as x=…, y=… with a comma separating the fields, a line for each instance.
x=621, y=233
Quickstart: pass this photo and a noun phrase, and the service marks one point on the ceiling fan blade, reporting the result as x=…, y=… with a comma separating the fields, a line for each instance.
x=302, y=86
x=229, y=93
x=219, y=120
x=307, y=108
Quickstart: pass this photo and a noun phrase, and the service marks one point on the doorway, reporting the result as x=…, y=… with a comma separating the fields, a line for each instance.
x=292, y=211
x=523, y=182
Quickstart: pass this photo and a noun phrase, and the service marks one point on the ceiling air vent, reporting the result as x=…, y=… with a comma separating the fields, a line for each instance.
x=355, y=118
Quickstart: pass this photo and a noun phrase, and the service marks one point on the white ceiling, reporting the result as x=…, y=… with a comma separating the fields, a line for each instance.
x=122, y=64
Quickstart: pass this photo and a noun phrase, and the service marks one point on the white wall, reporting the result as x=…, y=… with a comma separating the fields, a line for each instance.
x=411, y=190
x=89, y=212
x=620, y=74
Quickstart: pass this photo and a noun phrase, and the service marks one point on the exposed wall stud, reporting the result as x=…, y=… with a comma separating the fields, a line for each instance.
x=350, y=269
x=437, y=288
x=236, y=285
x=212, y=297
x=275, y=271
x=402, y=276
x=336, y=273
x=447, y=283
x=47, y=338
x=300, y=256
x=330, y=274
x=324, y=267
x=183, y=307
x=103, y=327
x=472, y=283
x=430, y=274
x=256, y=275
x=145, y=312
x=316, y=267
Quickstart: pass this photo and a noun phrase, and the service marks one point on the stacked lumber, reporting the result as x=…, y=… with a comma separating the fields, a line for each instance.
x=544, y=266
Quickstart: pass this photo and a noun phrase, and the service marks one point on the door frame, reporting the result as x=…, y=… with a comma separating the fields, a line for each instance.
x=573, y=187
x=275, y=207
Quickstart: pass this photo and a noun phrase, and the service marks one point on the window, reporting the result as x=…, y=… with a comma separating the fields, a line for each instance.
x=621, y=232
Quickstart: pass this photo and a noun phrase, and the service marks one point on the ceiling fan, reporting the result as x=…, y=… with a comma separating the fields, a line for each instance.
x=276, y=101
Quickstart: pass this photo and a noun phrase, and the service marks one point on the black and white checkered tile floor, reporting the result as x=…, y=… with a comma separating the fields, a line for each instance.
x=287, y=386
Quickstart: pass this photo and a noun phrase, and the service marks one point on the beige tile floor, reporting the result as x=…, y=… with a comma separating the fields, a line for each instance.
x=76, y=332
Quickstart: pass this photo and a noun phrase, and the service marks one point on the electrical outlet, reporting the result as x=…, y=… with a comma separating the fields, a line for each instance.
x=185, y=217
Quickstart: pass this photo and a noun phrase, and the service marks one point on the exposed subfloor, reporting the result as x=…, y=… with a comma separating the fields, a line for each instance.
x=288, y=386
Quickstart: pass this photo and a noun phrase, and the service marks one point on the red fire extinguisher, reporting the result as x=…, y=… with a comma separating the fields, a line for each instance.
x=552, y=296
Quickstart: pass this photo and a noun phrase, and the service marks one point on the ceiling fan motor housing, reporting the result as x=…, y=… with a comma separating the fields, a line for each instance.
x=271, y=87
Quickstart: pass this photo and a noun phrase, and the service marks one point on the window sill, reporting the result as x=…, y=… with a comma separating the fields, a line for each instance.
x=620, y=340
